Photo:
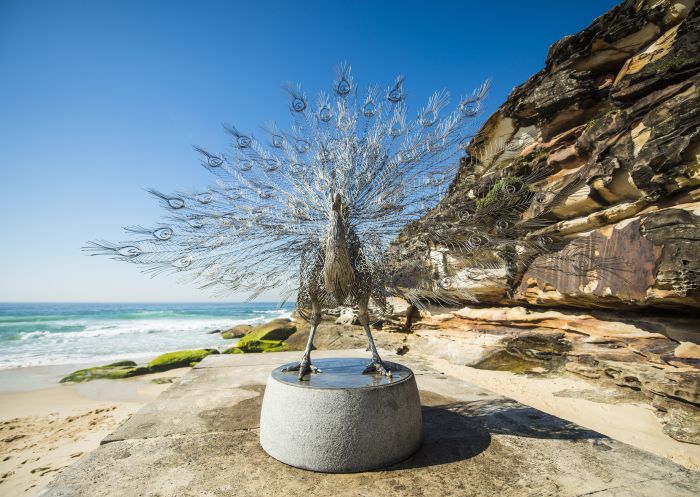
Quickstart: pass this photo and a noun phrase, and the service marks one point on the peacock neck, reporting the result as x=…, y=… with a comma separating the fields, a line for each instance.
x=338, y=272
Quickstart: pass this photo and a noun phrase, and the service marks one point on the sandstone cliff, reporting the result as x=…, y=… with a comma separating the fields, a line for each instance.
x=607, y=138
x=617, y=106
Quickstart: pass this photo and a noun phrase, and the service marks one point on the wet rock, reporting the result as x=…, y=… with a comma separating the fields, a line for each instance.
x=267, y=337
x=505, y=361
x=238, y=331
x=179, y=359
x=163, y=381
x=116, y=370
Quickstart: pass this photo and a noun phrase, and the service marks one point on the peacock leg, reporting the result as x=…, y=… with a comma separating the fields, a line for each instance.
x=304, y=367
x=377, y=365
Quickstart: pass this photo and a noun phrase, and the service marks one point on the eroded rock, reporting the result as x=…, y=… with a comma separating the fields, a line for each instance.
x=613, y=122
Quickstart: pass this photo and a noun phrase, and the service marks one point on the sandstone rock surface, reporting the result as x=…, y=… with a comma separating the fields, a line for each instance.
x=613, y=124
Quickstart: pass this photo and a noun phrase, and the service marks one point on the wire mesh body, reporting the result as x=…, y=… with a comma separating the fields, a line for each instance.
x=311, y=209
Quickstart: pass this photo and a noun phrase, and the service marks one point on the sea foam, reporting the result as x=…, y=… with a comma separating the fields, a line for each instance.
x=54, y=334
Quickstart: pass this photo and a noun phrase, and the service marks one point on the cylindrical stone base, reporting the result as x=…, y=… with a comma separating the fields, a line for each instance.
x=341, y=421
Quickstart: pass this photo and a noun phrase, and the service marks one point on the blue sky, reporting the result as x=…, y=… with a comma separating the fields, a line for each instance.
x=99, y=100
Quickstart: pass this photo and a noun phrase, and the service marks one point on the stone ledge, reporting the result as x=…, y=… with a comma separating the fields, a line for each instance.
x=190, y=443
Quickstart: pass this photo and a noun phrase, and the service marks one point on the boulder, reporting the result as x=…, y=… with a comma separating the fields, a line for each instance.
x=347, y=317
x=267, y=337
x=687, y=350
x=179, y=359
x=277, y=329
x=116, y=370
x=238, y=331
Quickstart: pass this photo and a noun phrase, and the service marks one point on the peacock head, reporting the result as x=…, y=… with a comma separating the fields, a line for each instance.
x=339, y=210
x=337, y=203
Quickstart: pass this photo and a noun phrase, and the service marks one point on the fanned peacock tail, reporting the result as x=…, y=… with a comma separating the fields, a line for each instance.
x=262, y=225
x=270, y=206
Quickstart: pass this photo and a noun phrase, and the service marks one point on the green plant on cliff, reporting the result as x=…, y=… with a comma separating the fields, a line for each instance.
x=590, y=124
x=671, y=63
x=498, y=187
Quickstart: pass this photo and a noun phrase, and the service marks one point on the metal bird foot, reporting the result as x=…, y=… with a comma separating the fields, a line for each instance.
x=378, y=366
x=304, y=367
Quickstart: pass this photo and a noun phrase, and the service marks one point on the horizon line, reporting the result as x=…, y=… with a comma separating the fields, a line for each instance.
x=140, y=302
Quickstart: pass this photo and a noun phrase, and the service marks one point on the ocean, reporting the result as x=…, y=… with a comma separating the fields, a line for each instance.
x=46, y=334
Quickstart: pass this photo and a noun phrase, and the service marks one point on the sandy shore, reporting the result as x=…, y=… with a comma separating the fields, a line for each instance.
x=46, y=426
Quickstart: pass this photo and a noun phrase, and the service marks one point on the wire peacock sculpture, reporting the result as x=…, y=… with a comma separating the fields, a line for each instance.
x=314, y=209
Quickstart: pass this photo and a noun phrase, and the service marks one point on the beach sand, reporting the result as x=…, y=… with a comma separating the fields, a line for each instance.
x=46, y=426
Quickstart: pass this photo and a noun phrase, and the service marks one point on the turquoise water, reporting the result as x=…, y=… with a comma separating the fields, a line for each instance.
x=41, y=334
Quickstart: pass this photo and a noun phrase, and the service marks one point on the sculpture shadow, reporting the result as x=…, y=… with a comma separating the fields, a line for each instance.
x=461, y=430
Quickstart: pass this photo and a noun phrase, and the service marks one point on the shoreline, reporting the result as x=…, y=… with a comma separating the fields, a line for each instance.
x=31, y=378
x=36, y=334
x=45, y=429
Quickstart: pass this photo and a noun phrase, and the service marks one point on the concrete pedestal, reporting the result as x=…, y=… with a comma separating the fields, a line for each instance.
x=341, y=421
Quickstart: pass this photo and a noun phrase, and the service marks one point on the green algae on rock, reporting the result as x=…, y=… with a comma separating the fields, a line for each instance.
x=503, y=361
x=179, y=359
x=116, y=370
x=237, y=331
x=280, y=348
x=253, y=346
x=277, y=329
x=267, y=337
x=127, y=369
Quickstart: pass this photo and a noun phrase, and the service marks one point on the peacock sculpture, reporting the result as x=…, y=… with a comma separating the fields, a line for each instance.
x=314, y=209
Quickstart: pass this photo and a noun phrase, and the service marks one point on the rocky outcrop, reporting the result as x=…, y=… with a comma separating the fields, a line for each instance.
x=603, y=347
x=127, y=369
x=266, y=337
x=612, y=127
x=238, y=331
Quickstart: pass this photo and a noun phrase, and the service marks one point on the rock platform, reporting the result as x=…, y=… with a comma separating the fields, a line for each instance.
x=200, y=438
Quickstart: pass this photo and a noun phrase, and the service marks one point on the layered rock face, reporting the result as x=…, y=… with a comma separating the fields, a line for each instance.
x=607, y=138
x=617, y=107
x=603, y=347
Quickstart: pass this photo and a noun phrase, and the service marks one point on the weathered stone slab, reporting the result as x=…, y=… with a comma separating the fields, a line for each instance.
x=476, y=443
x=206, y=398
